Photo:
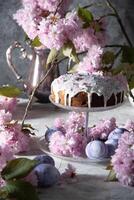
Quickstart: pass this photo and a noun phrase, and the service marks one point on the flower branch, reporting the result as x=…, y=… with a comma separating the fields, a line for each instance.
x=93, y=4
x=35, y=89
x=58, y=7
x=120, y=22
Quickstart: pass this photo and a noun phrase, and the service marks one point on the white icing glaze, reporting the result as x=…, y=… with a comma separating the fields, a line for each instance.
x=72, y=84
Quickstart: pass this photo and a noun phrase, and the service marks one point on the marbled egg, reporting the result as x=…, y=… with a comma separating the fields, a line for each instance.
x=111, y=145
x=96, y=150
x=116, y=133
x=47, y=175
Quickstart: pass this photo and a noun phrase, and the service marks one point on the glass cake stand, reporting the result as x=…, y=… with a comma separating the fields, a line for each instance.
x=44, y=146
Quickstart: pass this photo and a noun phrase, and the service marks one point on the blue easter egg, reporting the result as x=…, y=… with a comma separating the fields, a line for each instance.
x=46, y=159
x=111, y=145
x=116, y=133
x=49, y=133
x=47, y=175
x=96, y=150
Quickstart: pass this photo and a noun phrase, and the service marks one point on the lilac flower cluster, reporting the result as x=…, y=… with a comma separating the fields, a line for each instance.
x=129, y=125
x=38, y=18
x=102, y=129
x=123, y=159
x=69, y=139
x=12, y=140
x=8, y=104
x=92, y=61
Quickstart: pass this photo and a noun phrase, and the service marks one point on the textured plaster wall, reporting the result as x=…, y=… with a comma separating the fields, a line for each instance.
x=9, y=31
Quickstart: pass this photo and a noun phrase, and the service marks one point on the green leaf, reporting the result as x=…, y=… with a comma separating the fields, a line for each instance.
x=108, y=57
x=97, y=27
x=26, y=38
x=117, y=69
x=86, y=16
x=36, y=42
x=69, y=50
x=18, y=168
x=112, y=176
x=20, y=190
x=10, y=91
x=51, y=57
x=128, y=54
x=3, y=194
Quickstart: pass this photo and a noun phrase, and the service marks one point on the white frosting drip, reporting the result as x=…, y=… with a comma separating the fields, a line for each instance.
x=72, y=84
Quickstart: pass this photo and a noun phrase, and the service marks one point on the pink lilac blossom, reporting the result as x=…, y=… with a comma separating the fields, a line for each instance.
x=31, y=4
x=8, y=104
x=129, y=125
x=102, y=129
x=70, y=144
x=37, y=18
x=72, y=24
x=59, y=122
x=2, y=182
x=75, y=122
x=83, y=39
x=52, y=5
x=25, y=19
x=92, y=61
x=12, y=136
x=71, y=140
x=70, y=171
x=5, y=117
x=31, y=14
x=6, y=154
x=123, y=159
x=51, y=32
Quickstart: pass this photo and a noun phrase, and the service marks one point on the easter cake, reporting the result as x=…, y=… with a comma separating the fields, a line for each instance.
x=89, y=90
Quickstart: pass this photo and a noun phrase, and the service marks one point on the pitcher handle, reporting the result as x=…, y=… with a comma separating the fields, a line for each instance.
x=15, y=45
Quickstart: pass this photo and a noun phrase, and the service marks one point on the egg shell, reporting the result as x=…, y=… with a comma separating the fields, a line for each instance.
x=49, y=133
x=96, y=150
x=116, y=133
x=47, y=175
x=111, y=145
x=44, y=158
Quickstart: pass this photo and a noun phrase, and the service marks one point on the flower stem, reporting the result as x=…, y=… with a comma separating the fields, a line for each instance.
x=114, y=46
x=131, y=95
x=58, y=7
x=93, y=4
x=34, y=90
x=120, y=22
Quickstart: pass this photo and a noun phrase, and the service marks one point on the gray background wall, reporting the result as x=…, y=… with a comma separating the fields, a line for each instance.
x=10, y=31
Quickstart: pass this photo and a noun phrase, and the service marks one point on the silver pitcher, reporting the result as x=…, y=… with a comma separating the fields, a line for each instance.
x=37, y=71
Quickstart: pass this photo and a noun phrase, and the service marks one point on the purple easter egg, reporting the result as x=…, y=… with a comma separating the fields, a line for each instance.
x=47, y=175
x=116, y=133
x=96, y=150
x=111, y=145
x=46, y=159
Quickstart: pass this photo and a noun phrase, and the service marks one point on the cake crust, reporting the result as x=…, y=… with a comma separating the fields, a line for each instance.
x=88, y=90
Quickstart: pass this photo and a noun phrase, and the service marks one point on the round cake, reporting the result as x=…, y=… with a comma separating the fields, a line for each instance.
x=89, y=90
